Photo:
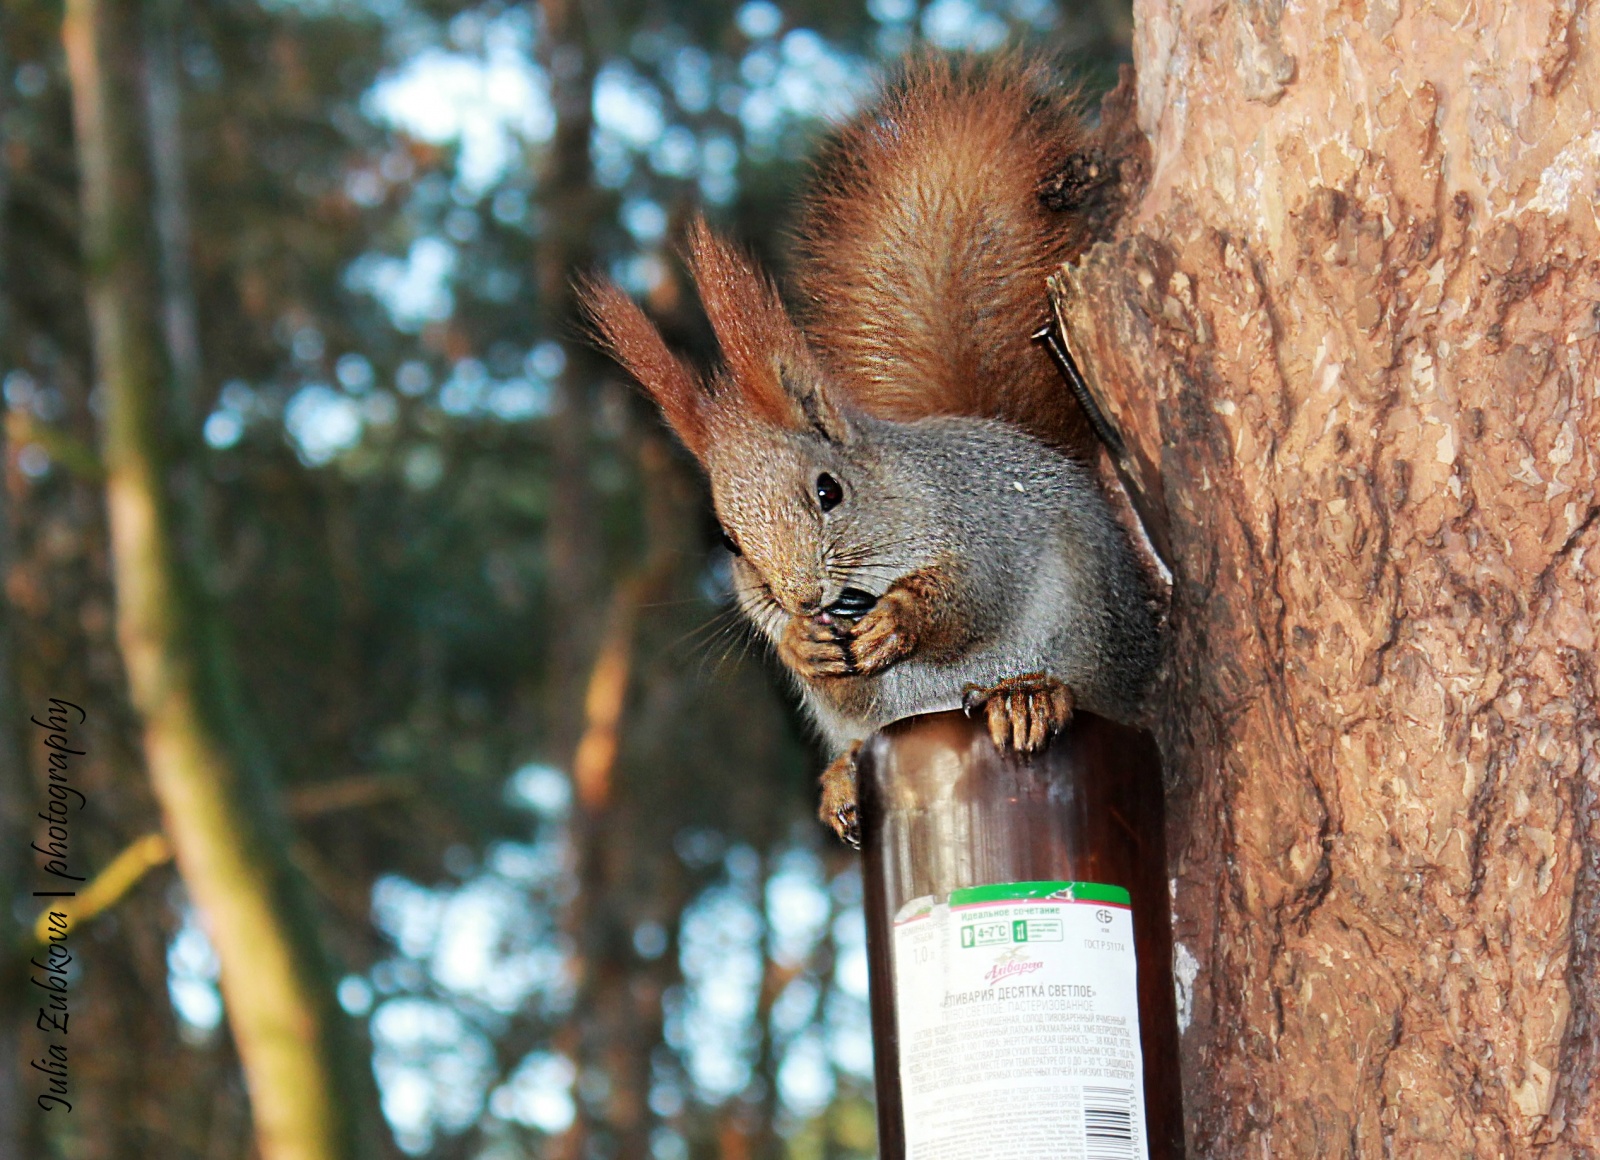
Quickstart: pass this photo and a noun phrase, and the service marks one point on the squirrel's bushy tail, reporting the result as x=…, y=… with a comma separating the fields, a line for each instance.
x=925, y=246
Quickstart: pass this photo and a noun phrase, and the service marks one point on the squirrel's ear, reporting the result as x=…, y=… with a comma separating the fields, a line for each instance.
x=768, y=361
x=633, y=340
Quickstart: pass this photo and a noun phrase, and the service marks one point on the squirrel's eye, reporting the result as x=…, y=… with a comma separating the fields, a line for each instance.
x=728, y=541
x=829, y=493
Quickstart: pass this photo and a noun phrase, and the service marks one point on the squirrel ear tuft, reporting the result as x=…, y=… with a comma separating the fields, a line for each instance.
x=760, y=344
x=621, y=328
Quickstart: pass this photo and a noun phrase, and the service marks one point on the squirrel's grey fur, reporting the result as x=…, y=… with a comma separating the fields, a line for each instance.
x=1053, y=585
x=1047, y=582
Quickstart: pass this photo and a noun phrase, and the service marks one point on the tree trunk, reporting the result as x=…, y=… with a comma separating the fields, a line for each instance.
x=1350, y=334
x=306, y=1083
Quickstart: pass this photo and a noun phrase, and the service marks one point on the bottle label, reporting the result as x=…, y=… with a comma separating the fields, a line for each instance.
x=1018, y=1021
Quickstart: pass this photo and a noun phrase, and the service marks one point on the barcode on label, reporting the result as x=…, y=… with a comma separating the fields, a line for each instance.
x=1108, y=1124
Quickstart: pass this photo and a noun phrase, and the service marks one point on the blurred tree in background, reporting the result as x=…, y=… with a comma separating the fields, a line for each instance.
x=554, y=812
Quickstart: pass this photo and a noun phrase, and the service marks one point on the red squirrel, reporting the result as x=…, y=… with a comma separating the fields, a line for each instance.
x=901, y=476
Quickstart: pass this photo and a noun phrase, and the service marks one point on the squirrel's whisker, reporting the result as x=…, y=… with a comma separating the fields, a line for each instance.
x=726, y=620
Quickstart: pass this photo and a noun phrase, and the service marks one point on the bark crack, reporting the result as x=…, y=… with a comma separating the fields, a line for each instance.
x=1567, y=547
x=1579, y=1059
x=1381, y=1067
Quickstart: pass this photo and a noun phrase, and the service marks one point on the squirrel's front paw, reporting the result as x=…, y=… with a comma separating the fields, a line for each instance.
x=820, y=647
x=883, y=636
x=838, y=808
x=817, y=648
x=1022, y=712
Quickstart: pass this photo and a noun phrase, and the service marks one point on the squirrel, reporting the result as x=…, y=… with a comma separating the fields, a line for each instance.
x=902, y=479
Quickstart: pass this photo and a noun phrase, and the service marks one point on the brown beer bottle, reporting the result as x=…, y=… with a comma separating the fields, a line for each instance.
x=1020, y=945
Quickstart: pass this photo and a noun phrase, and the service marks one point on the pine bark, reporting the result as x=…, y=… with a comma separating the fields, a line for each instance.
x=1349, y=331
x=307, y=1086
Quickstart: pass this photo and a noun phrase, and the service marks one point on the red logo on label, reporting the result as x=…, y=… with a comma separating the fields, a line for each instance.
x=1009, y=965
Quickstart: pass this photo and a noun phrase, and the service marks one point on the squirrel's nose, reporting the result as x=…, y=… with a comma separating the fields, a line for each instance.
x=806, y=601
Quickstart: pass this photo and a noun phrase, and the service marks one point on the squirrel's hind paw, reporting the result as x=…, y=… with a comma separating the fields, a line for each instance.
x=1022, y=712
x=838, y=808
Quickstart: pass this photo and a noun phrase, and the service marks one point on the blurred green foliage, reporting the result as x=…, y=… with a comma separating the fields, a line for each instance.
x=424, y=495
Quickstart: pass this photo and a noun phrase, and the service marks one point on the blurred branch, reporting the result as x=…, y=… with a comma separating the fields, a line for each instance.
x=107, y=888
x=596, y=754
x=72, y=453
x=145, y=853
x=608, y=686
x=733, y=1139
x=595, y=757
x=362, y=789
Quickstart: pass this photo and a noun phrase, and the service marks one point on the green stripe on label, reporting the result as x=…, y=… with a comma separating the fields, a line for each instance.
x=1057, y=891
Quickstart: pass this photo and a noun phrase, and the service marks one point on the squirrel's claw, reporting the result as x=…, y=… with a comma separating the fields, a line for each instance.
x=838, y=807
x=1022, y=713
x=848, y=827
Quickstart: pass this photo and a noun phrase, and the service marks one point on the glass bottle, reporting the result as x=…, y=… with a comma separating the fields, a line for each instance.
x=1008, y=899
